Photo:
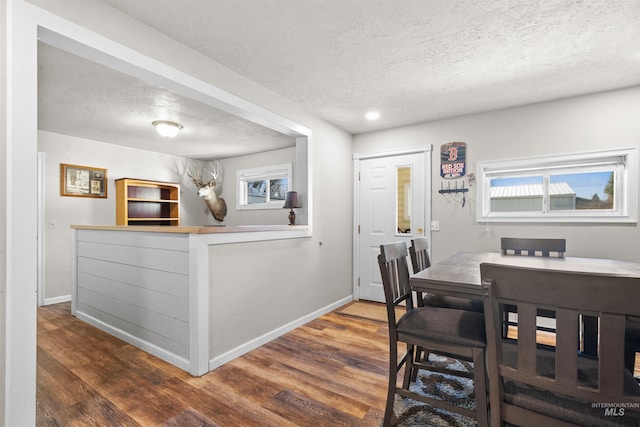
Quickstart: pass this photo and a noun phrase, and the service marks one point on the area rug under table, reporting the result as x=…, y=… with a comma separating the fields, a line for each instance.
x=457, y=390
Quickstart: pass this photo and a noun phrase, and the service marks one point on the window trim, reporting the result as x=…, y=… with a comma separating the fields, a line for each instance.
x=266, y=172
x=626, y=182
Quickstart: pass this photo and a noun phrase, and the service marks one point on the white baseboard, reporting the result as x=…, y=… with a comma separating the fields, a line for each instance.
x=269, y=336
x=159, y=352
x=57, y=300
x=218, y=360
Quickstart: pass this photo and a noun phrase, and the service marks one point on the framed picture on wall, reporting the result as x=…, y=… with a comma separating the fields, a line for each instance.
x=83, y=181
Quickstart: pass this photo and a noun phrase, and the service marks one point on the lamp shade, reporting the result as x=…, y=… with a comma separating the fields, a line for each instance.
x=291, y=201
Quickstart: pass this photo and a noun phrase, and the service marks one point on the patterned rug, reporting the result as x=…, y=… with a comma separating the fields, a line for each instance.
x=409, y=412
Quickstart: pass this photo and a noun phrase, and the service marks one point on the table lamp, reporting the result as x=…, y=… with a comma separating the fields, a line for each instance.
x=291, y=201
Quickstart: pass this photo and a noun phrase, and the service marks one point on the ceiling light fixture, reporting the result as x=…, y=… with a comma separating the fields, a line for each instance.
x=166, y=128
x=372, y=115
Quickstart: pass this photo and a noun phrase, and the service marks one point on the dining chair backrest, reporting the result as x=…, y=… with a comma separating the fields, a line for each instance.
x=533, y=246
x=395, y=278
x=428, y=331
x=419, y=254
x=563, y=372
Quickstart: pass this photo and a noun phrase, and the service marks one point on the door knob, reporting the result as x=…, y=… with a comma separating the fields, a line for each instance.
x=420, y=230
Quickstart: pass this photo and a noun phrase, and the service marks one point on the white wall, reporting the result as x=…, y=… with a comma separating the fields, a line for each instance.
x=586, y=123
x=123, y=162
x=3, y=205
x=230, y=188
x=120, y=162
x=281, y=281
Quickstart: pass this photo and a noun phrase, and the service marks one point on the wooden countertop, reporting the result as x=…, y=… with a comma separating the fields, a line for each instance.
x=197, y=229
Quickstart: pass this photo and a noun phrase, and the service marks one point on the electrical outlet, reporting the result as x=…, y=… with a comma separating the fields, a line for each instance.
x=435, y=225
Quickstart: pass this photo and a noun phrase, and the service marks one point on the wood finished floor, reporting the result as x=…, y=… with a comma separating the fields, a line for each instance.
x=329, y=372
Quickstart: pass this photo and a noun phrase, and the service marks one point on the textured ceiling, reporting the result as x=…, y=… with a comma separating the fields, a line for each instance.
x=412, y=60
x=80, y=98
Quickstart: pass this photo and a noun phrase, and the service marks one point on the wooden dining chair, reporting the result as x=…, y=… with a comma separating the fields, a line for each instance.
x=532, y=386
x=454, y=333
x=530, y=247
x=533, y=246
x=419, y=254
x=632, y=342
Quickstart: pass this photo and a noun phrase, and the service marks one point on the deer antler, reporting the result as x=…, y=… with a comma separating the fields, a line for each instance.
x=214, y=168
x=196, y=176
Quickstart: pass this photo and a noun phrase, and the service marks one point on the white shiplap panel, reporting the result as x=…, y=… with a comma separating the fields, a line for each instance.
x=138, y=333
x=158, y=259
x=166, y=304
x=154, y=280
x=171, y=241
x=157, y=323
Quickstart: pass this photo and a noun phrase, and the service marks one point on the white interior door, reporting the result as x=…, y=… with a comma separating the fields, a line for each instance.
x=391, y=206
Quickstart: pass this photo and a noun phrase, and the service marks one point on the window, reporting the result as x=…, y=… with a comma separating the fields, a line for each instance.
x=263, y=188
x=587, y=187
x=403, y=199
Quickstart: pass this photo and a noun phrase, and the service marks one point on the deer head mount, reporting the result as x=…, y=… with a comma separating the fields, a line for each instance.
x=210, y=190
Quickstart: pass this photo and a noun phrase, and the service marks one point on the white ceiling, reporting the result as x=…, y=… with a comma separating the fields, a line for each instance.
x=81, y=98
x=412, y=60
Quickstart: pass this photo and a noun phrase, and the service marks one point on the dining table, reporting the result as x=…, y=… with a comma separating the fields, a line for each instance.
x=459, y=275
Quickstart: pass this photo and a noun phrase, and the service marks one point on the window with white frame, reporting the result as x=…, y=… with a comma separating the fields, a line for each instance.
x=586, y=187
x=265, y=187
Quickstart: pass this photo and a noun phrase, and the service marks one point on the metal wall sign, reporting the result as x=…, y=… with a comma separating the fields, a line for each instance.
x=453, y=159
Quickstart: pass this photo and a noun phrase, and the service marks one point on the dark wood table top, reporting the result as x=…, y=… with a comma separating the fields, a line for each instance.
x=459, y=275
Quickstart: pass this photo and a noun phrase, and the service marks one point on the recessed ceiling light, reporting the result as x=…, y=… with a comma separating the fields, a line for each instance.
x=166, y=128
x=372, y=115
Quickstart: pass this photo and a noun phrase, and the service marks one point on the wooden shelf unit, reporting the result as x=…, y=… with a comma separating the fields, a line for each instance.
x=142, y=202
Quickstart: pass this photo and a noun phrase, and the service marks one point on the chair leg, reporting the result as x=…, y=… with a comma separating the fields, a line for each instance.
x=393, y=375
x=420, y=355
x=410, y=371
x=480, y=386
